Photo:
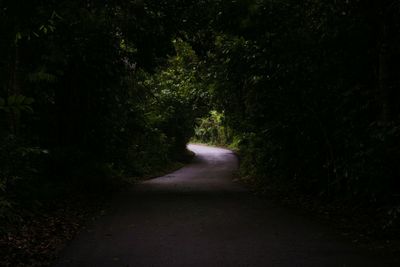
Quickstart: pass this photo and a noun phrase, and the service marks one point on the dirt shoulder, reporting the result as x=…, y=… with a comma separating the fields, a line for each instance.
x=37, y=236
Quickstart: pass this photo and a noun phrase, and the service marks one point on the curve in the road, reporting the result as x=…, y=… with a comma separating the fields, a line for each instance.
x=197, y=216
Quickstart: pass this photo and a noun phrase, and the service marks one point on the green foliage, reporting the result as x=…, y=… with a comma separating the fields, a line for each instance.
x=114, y=96
x=16, y=104
x=211, y=130
x=19, y=166
x=179, y=97
x=307, y=90
x=298, y=85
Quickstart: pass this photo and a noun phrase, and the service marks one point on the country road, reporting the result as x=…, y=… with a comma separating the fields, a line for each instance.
x=197, y=216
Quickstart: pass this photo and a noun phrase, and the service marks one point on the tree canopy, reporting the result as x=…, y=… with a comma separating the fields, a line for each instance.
x=307, y=91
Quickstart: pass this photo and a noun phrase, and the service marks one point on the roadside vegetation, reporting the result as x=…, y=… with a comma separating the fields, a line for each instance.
x=94, y=92
x=308, y=94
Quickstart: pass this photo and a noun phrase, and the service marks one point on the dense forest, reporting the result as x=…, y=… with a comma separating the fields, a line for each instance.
x=307, y=92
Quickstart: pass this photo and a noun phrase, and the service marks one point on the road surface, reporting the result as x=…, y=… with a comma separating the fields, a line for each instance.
x=197, y=216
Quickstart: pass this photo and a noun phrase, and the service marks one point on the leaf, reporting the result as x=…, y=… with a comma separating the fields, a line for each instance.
x=29, y=100
x=18, y=36
x=17, y=103
x=27, y=108
x=43, y=28
x=42, y=76
x=55, y=15
x=19, y=99
x=11, y=100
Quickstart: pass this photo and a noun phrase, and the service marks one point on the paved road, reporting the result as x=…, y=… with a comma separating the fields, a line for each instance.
x=197, y=216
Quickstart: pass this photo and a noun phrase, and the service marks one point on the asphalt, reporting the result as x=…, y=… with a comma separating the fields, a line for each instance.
x=197, y=216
